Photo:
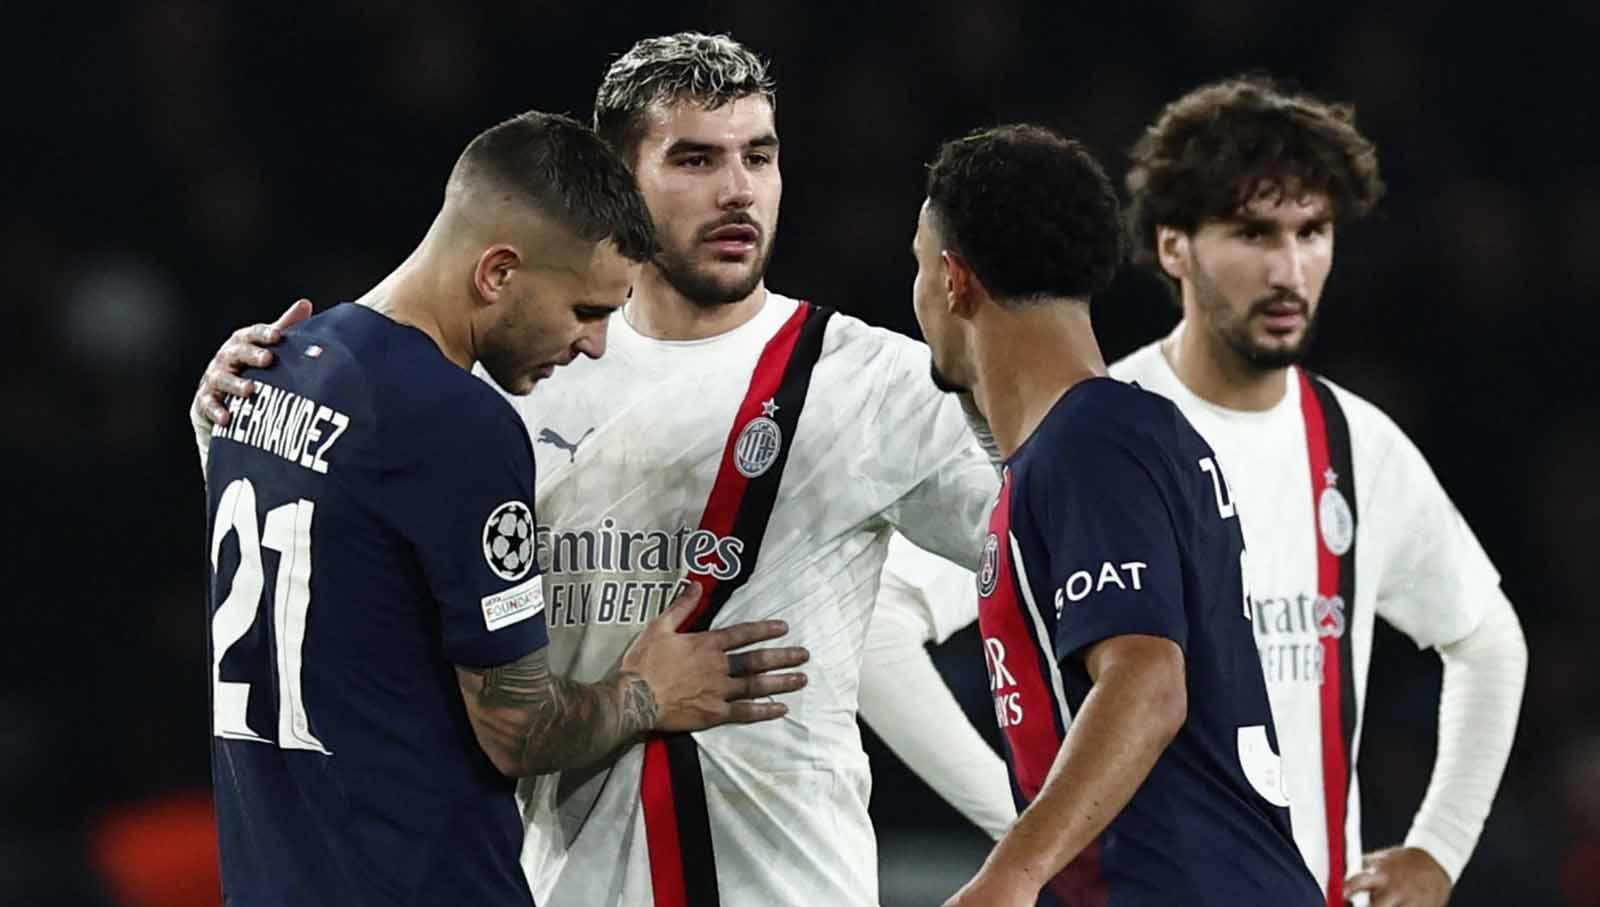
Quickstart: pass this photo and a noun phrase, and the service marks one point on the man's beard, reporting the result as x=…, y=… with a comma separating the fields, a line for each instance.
x=1235, y=331
x=700, y=286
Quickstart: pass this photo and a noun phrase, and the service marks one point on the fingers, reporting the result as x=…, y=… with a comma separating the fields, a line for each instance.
x=738, y=636
x=223, y=384
x=293, y=315
x=760, y=661
x=752, y=712
x=206, y=407
x=247, y=348
x=215, y=385
x=764, y=685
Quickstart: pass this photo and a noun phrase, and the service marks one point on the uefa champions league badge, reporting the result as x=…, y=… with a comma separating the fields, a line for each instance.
x=759, y=444
x=1338, y=525
x=989, y=567
x=508, y=540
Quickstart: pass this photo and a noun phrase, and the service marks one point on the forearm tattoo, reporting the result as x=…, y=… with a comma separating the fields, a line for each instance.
x=552, y=723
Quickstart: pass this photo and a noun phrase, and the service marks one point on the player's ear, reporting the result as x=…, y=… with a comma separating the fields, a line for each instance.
x=1172, y=250
x=493, y=272
x=961, y=286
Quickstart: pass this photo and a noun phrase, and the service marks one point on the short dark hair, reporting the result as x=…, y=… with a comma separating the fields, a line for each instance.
x=561, y=168
x=1031, y=211
x=1217, y=146
x=707, y=70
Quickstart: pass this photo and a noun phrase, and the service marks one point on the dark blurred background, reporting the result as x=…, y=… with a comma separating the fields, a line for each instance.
x=177, y=168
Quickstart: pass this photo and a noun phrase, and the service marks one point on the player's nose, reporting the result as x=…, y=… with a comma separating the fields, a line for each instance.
x=1286, y=268
x=738, y=188
x=591, y=340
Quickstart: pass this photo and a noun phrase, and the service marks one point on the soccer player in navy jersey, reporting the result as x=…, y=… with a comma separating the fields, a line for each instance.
x=1115, y=621
x=378, y=662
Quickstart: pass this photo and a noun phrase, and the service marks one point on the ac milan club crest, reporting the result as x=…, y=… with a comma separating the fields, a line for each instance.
x=758, y=445
x=1337, y=523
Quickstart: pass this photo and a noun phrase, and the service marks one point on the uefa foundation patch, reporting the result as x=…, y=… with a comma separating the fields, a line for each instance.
x=518, y=603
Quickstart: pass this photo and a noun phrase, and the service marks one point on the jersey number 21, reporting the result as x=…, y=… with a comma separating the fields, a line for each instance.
x=287, y=531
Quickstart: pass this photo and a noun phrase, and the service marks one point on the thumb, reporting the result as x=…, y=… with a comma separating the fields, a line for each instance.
x=293, y=315
x=1367, y=880
x=682, y=606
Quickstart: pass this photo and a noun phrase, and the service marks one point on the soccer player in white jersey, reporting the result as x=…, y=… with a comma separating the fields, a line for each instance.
x=1235, y=192
x=761, y=445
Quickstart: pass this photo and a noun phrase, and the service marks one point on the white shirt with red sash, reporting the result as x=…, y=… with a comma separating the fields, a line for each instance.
x=630, y=448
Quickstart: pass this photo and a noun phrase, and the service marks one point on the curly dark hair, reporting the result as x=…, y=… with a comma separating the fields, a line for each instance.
x=1219, y=145
x=1030, y=210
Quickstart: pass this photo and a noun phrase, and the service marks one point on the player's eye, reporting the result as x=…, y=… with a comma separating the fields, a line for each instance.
x=592, y=313
x=1250, y=233
x=758, y=159
x=695, y=161
x=1313, y=231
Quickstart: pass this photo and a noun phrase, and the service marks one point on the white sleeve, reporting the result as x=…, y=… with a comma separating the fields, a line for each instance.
x=1478, y=706
x=905, y=701
x=202, y=437
x=950, y=480
x=942, y=593
x=1435, y=582
x=1439, y=587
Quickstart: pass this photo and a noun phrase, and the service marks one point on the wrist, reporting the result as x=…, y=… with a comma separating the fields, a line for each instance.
x=1014, y=871
x=639, y=712
x=1431, y=848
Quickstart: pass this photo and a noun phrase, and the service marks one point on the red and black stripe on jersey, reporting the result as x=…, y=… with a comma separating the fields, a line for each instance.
x=683, y=869
x=1328, y=447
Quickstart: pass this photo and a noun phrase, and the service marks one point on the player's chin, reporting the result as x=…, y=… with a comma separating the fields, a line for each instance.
x=730, y=272
x=1278, y=350
x=721, y=283
x=522, y=384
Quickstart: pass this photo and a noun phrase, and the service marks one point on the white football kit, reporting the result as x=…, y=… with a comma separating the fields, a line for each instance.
x=658, y=458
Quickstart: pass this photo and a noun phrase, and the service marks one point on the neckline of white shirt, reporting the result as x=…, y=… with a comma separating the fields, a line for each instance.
x=774, y=310
x=1289, y=403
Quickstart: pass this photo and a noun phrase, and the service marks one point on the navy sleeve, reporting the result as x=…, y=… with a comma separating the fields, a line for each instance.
x=473, y=528
x=1113, y=548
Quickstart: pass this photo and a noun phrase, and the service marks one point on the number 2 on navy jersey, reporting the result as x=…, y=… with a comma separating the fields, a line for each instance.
x=1219, y=486
x=287, y=531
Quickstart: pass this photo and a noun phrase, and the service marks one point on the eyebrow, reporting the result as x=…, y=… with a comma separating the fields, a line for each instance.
x=1262, y=223
x=1250, y=220
x=689, y=146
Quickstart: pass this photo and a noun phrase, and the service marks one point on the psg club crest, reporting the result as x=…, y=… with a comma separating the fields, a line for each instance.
x=1338, y=525
x=758, y=445
x=508, y=540
x=989, y=567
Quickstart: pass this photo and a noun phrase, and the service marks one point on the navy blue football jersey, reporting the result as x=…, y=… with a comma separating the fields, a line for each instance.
x=1113, y=519
x=371, y=526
